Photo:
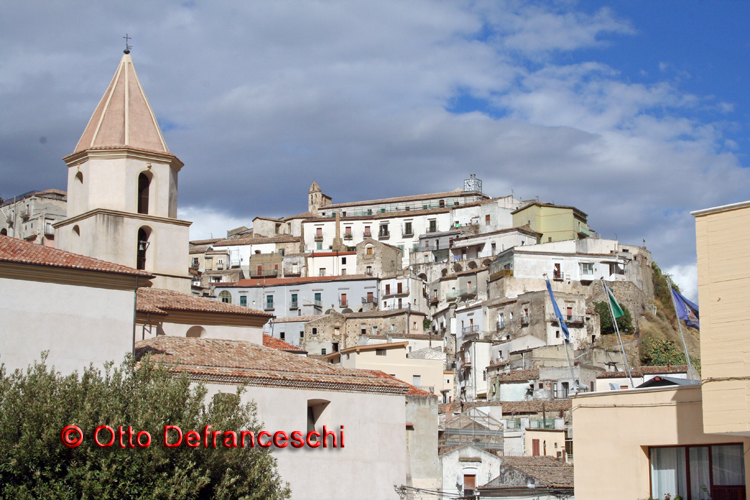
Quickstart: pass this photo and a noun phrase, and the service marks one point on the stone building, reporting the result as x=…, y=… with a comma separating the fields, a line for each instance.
x=31, y=215
x=375, y=258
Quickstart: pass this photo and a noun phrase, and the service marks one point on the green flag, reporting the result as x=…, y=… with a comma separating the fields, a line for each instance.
x=615, y=306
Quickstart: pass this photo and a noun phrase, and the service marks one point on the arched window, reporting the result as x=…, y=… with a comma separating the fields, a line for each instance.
x=4, y=232
x=143, y=244
x=143, y=190
x=225, y=297
x=196, y=332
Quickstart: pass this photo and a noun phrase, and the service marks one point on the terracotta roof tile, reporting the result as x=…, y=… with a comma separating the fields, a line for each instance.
x=22, y=252
x=279, y=344
x=158, y=299
x=384, y=314
x=516, y=407
x=519, y=375
x=256, y=240
x=297, y=319
x=549, y=472
x=252, y=282
x=239, y=362
x=413, y=391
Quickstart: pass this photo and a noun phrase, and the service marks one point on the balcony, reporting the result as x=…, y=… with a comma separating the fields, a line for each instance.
x=369, y=300
x=368, y=234
x=451, y=296
x=25, y=214
x=348, y=236
x=524, y=321
x=317, y=304
x=466, y=293
x=434, y=300
x=569, y=320
x=343, y=303
x=503, y=273
x=500, y=326
x=318, y=238
x=294, y=306
x=467, y=330
x=255, y=273
x=558, y=276
x=384, y=235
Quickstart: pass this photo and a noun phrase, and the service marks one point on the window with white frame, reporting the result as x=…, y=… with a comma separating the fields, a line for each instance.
x=587, y=268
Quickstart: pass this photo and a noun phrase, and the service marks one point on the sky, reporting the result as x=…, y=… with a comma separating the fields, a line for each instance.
x=634, y=111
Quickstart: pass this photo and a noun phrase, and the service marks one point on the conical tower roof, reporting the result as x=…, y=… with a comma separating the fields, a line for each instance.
x=123, y=117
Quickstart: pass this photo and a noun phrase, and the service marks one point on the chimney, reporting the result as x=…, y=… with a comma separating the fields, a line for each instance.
x=338, y=244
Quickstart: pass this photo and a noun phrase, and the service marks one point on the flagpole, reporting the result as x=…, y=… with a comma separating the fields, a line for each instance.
x=567, y=339
x=684, y=344
x=609, y=294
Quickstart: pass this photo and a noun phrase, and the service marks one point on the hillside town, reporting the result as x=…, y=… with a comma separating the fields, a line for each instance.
x=462, y=338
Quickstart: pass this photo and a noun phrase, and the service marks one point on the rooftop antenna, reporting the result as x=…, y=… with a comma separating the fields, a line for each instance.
x=127, y=47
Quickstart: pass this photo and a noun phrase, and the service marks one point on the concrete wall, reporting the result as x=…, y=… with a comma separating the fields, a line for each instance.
x=78, y=325
x=422, y=442
x=395, y=363
x=551, y=442
x=724, y=293
x=629, y=422
x=373, y=459
x=471, y=461
x=247, y=333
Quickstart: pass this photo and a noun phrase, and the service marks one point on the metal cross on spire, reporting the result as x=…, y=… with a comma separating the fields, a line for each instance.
x=127, y=47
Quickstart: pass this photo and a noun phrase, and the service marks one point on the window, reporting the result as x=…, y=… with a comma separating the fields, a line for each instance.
x=387, y=289
x=486, y=220
x=363, y=329
x=143, y=189
x=196, y=263
x=368, y=271
x=380, y=352
x=417, y=381
x=494, y=248
x=367, y=232
x=368, y=250
x=399, y=288
x=557, y=274
x=433, y=226
x=225, y=297
x=269, y=302
x=720, y=469
x=294, y=301
x=318, y=299
x=408, y=229
x=535, y=447
x=343, y=261
x=301, y=335
x=314, y=331
x=343, y=272
x=322, y=271
x=343, y=300
x=348, y=231
x=282, y=335
x=587, y=268
x=243, y=300
x=323, y=351
x=141, y=248
x=319, y=232
x=383, y=231
x=319, y=245
x=441, y=203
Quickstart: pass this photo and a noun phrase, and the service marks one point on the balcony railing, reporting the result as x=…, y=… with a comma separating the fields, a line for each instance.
x=569, y=320
x=470, y=329
x=318, y=238
x=524, y=321
x=317, y=304
x=368, y=234
x=262, y=272
x=451, y=296
x=466, y=292
x=348, y=236
x=500, y=325
x=384, y=235
x=558, y=276
x=343, y=303
x=369, y=300
x=294, y=305
x=502, y=273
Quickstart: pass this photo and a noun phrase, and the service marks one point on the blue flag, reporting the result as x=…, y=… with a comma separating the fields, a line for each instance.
x=557, y=312
x=686, y=310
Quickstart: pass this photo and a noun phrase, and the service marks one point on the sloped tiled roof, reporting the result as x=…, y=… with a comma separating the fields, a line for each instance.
x=413, y=390
x=384, y=314
x=239, y=362
x=517, y=407
x=279, y=344
x=519, y=375
x=256, y=240
x=123, y=117
x=297, y=319
x=293, y=281
x=548, y=472
x=161, y=300
x=23, y=252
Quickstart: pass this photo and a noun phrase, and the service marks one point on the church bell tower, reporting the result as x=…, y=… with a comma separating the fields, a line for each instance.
x=122, y=188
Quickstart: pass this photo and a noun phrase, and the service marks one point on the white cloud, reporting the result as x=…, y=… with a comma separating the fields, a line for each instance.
x=210, y=222
x=686, y=278
x=269, y=96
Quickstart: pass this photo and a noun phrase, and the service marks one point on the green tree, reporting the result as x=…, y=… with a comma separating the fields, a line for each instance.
x=624, y=322
x=36, y=405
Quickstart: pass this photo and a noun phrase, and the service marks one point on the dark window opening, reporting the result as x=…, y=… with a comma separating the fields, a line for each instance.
x=143, y=188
